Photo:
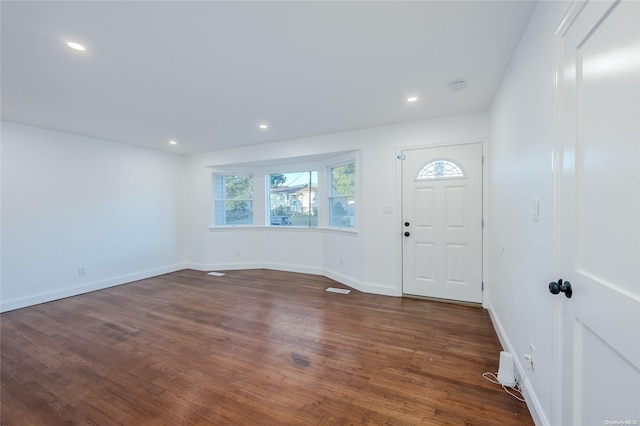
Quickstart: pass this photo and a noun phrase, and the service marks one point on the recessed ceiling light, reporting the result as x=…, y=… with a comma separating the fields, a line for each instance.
x=412, y=99
x=76, y=46
x=173, y=142
x=263, y=126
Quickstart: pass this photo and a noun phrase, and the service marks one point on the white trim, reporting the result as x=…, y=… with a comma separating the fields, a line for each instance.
x=373, y=288
x=556, y=165
x=575, y=9
x=531, y=399
x=347, y=232
x=206, y=267
x=301, y=269
x=218, y=228
x=252, y=228
x=380, y=289
x=343, y=279
x=49, y=296
x=485, y=223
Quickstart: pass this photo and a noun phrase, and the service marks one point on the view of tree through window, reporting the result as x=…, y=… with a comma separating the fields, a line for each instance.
x=292, y=199
x=342, y=196
x=233, y=199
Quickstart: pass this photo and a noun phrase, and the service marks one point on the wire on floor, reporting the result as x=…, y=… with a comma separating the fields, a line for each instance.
x=493, y=378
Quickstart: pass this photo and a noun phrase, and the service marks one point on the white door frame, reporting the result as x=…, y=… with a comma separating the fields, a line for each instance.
x=556, y=164
x=485, y=198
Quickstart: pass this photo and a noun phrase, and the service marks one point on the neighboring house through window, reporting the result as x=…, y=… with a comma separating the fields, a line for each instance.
x=292, y=199
x=321, y=194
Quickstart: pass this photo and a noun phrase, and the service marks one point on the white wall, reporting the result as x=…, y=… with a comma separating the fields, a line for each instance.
x=371, y=260
x=70, y=201
x=520, y=170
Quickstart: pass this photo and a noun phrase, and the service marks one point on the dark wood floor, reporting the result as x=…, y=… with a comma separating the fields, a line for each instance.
x=253, y=347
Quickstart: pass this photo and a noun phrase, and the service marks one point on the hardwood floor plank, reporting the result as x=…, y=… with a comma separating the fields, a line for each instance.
x=254, y=347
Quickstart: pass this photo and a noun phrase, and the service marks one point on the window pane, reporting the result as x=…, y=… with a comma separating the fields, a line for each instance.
x=343, y=180
x=292, y=199
x=233, y=187
x=233, y=200
x=342, y=212
x=238, y=212
x=342, y=196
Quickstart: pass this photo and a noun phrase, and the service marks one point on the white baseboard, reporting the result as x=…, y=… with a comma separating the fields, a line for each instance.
x=288, y=267
x=23, y=302
x=530, y=397
x=293, y=268
x=373, y=288
x=222, y=266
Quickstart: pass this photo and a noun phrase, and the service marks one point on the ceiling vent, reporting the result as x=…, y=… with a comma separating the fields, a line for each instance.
x=457, y=84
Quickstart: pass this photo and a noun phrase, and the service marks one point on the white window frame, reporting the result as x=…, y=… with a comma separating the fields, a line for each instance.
x=260, y=172
x=214, y=193
x=330, y=197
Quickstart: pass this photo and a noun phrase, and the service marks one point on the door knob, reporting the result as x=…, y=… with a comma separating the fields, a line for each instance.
x=558, y=287
x=406, y=234
x=406, y=224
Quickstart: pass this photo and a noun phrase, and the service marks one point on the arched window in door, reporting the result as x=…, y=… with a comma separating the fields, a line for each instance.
x=441, y=169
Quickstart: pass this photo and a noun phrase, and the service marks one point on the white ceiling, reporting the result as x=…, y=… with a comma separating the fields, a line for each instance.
x=207, y=73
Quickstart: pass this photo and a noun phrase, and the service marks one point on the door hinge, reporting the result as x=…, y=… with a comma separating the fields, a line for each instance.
x=483, y=160
x=482, y=285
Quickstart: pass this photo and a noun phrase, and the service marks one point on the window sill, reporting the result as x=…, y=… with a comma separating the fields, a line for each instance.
x=337, y=231
x=223, y=228
x=341, y=231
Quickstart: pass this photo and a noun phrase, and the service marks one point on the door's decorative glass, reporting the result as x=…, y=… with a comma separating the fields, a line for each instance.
x=440, y=169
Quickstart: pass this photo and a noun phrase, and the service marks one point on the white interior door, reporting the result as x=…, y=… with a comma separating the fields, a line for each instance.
x=599, y=201
x=442, y=222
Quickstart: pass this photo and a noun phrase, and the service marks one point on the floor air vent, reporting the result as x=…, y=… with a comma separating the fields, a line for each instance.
x=338, y=290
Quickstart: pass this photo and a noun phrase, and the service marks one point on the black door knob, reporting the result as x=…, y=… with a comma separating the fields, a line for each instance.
x=564, y=287
x=406, y=224
x=406, y=234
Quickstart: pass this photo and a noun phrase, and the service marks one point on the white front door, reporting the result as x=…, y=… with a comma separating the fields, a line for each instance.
x=442, y=222
x=598, y=353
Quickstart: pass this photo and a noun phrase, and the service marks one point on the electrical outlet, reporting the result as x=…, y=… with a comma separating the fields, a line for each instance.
x=238, y=253
x=82, y=271
x=341, y=263
x=529, y=357
x=528, y=360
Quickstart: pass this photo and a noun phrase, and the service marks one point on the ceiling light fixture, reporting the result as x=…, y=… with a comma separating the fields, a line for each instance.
x=263, y=126
x=76, y=46
x=173, y=142
x=412, y=99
